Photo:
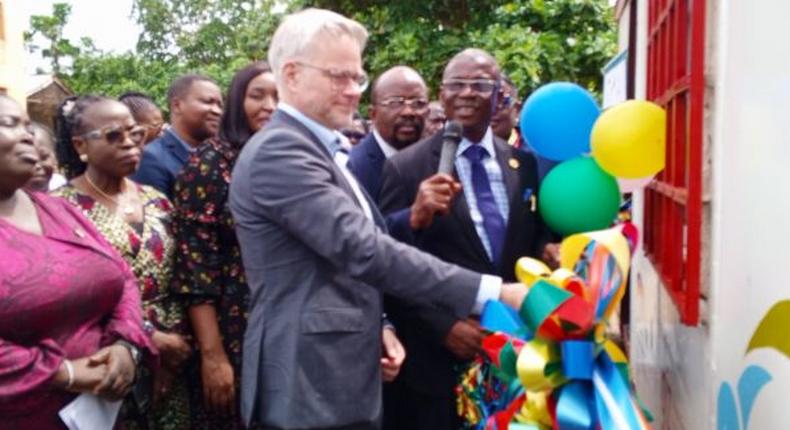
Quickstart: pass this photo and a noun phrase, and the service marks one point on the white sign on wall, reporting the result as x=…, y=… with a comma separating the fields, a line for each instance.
x=615, y=80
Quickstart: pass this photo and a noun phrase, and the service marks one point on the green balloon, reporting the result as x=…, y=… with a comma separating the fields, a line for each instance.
x=578, y=196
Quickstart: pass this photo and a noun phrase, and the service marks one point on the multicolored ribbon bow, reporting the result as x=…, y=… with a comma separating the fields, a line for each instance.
x=568, y=375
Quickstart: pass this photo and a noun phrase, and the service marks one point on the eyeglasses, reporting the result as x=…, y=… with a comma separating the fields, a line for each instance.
x=505, y=101
x=352, y=134
x=11, y=121
x=155, y=126
x=482, y=87
x=398, y=103
x=117, y=135
x=341, y=79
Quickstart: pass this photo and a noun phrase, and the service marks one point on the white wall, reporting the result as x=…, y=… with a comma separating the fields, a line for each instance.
x=671, y=362
x=751, y=223
x=680, y=370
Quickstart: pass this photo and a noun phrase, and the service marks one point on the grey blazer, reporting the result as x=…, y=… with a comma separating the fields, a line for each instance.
x=316, y=267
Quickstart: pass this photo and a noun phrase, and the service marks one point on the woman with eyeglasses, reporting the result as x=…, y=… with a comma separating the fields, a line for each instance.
x=99, y=146
x=70, y=315
x=209, y=272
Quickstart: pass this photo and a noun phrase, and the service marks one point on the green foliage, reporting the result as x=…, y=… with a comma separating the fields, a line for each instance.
x=535, y=41
x=114, y=74
x=50, y=28
x=205, y=32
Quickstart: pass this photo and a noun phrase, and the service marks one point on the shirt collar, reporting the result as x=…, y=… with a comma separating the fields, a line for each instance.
x=487, y=142
x=386, y=148
x=183, y=143
x=327, y=137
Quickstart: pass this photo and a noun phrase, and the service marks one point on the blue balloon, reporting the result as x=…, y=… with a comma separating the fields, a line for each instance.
x=557, y=119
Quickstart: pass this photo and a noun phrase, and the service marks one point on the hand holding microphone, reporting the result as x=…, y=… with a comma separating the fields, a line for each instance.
x=451, y=137
x=435, y=194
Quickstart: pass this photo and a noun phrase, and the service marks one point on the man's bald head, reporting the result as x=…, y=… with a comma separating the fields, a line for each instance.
x=472, y=56
x=399, y=106
x=397, y=75
x=470, y=85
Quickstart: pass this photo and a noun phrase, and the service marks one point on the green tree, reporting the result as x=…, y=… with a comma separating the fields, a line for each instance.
x=204, y=33
x=50, y=28
x=535, y=41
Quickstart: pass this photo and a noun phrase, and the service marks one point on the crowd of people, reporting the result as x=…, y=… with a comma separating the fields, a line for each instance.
x=267, y=258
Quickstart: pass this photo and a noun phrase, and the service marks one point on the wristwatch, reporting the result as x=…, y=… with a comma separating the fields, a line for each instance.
x=148, y=328
x=133, y=350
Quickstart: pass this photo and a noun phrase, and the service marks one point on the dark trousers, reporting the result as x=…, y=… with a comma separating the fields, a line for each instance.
x=349, y=427
x=352, y=427
x=408, y=409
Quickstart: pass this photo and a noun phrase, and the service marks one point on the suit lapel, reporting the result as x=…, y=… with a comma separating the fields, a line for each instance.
x=341, y=178
x=510, y=173
x=176, y=148
x=460, y=209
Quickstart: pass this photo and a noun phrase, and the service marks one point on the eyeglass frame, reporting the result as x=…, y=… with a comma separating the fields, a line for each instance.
x=404, y=102
x=361, y=80
x=495, y=85
x=101, y=133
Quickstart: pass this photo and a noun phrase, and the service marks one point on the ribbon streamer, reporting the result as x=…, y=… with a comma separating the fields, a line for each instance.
x=558, y=369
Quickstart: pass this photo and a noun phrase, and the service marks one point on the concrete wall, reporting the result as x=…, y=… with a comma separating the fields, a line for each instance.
x=12, y=77
x=686, y=374
x=671, y=362
x=751, y=213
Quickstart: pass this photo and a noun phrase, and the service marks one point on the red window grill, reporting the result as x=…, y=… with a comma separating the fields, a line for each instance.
x=673, y=202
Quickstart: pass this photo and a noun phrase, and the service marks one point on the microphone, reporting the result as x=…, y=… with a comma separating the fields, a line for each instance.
x=450, y=140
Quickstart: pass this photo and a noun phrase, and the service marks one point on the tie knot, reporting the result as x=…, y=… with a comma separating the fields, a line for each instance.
x=475, y=153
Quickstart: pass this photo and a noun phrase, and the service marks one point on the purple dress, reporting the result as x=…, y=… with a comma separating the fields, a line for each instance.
x=63, y=294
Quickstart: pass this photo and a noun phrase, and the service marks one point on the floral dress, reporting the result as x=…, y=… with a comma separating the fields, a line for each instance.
x=148, y=247
x=208, y=260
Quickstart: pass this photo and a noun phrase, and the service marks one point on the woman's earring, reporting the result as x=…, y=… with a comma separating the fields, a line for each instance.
x=84, y=158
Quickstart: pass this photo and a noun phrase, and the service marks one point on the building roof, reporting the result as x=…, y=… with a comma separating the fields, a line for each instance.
x=37, y=83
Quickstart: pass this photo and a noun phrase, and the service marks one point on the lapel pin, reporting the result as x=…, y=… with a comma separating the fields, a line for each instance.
x=513, y=162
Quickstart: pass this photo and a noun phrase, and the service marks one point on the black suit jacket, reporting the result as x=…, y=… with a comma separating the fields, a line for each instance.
x=366, y=161
x=453, y=238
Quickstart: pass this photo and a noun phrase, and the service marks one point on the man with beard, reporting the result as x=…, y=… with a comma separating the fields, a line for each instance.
x=399, y=106
x=195, y=103
x=484, y=218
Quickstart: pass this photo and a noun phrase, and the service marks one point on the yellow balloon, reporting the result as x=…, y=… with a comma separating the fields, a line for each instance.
x=629, y=140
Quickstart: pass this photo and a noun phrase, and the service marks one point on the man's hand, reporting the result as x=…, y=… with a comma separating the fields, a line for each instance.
x=551, y=255
x=434, y=196
x=465, y=338
x=120, y=371
x=392, y=355
x=513, y=294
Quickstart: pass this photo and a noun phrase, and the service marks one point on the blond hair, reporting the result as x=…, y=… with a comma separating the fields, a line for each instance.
x=299, y=31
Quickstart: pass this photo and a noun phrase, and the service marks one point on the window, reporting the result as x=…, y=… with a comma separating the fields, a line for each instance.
x=673, y=202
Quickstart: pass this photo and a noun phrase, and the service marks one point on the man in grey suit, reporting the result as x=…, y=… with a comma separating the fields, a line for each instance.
x=315, y=251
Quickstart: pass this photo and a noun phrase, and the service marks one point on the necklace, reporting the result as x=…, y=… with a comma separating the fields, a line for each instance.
x=126, y=209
